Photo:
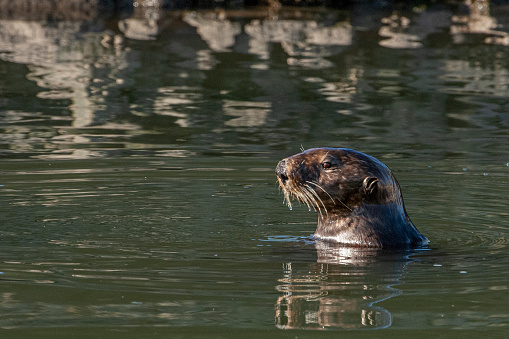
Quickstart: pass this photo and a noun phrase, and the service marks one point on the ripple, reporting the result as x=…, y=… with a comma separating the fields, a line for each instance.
x=469, y=240
x=285, y=238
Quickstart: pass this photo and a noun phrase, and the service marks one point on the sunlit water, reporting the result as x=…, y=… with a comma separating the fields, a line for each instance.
x=137, y=173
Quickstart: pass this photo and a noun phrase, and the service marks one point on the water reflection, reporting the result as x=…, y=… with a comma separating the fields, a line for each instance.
x=70, y=64
x=179, y=117
x=401, y=31
x=474, y=24
x=341, y=290
x=218, y=33
x=247, y=114
x=96, y=85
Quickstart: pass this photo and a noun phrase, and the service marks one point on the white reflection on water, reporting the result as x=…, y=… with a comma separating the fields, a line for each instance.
x=403, y=32
x=217, y=32
x=246, y=113
x=138, y=29
x=176, y=101
x=227, y=71
x=66, y=64
x=478, y=22
x=341, y=290
x=305, y=42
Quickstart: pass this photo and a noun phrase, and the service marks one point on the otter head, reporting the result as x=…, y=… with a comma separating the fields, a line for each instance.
x=336, y=180
x=358, y=198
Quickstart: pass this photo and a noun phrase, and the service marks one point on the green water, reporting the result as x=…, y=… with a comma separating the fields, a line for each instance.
x=137, y=186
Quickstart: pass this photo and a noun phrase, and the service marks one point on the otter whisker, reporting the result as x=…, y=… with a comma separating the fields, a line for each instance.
x=320, y=187
x=333, y=200
x=325, y=156
x=286, y=194
x=318, y=199
x=306, y=199
x=288, y=201
x=313, y=200
x=302, y=148
x=279, y=188
x=298, y=194
x=286, y=198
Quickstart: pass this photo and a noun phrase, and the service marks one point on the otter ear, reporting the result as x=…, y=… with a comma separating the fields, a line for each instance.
x=370, y=184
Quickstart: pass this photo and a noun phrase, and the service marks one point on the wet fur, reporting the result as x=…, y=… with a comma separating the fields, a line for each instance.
x=357, y=197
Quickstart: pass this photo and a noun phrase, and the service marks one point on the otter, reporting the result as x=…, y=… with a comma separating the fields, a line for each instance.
x=358, y=199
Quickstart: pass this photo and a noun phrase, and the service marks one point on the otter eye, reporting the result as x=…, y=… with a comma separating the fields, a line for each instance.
x=326, y=165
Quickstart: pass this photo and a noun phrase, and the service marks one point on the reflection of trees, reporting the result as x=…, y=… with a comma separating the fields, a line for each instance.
x=251, y=77
x=368, y=84
x=218, y=33
x=341, y=290
x=69, y=65
x=478, y=23
x=49, y=10
x=409, y=31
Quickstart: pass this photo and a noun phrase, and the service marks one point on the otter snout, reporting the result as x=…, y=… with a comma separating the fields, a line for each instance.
x=281, y=172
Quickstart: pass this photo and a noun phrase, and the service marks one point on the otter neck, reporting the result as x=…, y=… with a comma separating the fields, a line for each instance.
x=370, y=225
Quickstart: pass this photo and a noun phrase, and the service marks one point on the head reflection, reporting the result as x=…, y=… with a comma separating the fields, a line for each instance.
x=341, y=290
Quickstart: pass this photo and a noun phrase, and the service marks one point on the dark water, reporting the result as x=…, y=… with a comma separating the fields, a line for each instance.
x=137, y=181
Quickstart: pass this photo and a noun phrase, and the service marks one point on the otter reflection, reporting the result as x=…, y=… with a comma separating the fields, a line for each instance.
x=341, y=290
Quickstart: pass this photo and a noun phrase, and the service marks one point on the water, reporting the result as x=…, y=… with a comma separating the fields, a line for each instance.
x=137, y=186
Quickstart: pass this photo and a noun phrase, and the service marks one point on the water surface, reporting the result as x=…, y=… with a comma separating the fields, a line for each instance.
x=137, y=172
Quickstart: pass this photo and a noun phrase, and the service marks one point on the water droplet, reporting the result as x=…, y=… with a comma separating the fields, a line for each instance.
x=465, y=169
x=463, y=272
x=485, y=174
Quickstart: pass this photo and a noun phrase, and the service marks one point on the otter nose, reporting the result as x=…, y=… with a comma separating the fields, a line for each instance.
x=281, y=171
